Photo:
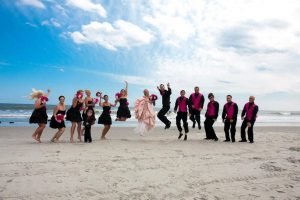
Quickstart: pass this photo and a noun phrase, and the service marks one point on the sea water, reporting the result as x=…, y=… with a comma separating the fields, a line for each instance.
x=18, y=115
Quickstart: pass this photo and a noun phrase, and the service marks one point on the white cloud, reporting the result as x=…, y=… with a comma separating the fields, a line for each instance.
x=51, y=22
x=112, y=36
x=34, y=3
x=88, y=5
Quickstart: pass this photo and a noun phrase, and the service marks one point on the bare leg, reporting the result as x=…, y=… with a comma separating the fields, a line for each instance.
x=72, y=131
x=58, y=134
x=79, y=130
x=53, y=139
x=82, y=131
x=104, y=132
x=122, y=119
x=40, y=131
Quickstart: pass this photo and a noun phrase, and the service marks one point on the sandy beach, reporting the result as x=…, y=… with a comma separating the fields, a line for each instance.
x=157, y=166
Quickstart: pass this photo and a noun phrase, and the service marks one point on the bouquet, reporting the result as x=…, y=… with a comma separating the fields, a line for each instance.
x=79, y=95
x=117, y=95
x=59, y=118
x=44, y=99
x=95, y=100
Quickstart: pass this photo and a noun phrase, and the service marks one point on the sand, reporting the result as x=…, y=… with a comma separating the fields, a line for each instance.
x=157, y=166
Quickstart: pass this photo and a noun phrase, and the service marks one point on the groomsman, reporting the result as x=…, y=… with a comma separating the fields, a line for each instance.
x=165, y=104
x=229, y=116
x=249, y=114
x=211, y=116
x=197, y=101
x=182, y=104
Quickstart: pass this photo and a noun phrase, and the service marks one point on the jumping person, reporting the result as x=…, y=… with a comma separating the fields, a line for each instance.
x=57, y=119
x=183, y=104
x=105, y=117
x=229, y=117
x=165, y=104
x=249, y=114
x=144, y=113
x=211, y=116
x=197, y=101
x=39, y=115
x=74, y=116
x=123, y=112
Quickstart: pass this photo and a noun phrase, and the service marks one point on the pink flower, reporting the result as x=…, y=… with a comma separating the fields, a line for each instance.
x=44, y=99
x=95, y=100
x=153, y=97
x=59, y=118
x=127, y=103
x=117, y=95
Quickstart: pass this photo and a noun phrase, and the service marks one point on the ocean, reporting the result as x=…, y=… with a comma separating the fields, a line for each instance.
x=18, y=115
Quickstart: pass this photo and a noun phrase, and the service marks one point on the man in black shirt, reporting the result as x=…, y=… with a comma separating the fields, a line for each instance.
x=197, y=101
x=165, y=104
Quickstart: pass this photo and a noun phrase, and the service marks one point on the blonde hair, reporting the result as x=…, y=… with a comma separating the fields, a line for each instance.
x=88, y=92
x=36, y=94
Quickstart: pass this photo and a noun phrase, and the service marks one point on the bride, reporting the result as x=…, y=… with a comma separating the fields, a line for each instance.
x=144, y=113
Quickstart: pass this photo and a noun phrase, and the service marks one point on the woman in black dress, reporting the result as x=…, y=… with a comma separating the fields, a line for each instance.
x=123, y=112
x=74, y=115
x=39, y=115
x=57, y=120
x=105, y=117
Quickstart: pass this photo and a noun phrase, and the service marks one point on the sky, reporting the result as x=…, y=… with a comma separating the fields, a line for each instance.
x=237, y=47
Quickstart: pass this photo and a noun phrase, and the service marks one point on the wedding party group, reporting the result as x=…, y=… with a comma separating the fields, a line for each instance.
x=81, y=114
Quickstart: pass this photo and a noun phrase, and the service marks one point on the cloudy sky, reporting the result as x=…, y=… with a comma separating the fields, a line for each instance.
x=238, y=47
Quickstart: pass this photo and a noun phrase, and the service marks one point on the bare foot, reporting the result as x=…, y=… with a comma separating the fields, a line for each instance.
x=52, y=140
x=79, y=138
x=34, y=137
x=71, y=140
x=39, y=140
x=103, y=138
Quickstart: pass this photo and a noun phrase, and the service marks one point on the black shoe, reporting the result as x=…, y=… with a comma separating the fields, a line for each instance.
x=226, y=141
x=185, y=137
x=168, y=125
x=199, y=127
x=180, y=135
x=251, y=142
x=243, y=141
x=194, y=124
x=233, y=141
x=207, y=139
x=216, y=139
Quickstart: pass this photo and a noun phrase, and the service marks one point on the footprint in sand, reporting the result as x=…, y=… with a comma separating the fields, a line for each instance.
x=271, y=168
x=294, y=148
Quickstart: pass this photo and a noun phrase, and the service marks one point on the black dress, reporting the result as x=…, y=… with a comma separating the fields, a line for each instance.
x=105, y=117
x=89, y=108
x=39, y=116
x=73, y=114
x=56, y=124
x=123, y=110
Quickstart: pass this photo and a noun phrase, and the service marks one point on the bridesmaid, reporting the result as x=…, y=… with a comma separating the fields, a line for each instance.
x=57, y=119
x=105, y=117
x=123, y=112
x=73, y=114
x=88, y=105
x=39, y=115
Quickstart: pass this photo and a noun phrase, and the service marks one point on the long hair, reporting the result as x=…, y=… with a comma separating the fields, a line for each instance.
x=36, y=93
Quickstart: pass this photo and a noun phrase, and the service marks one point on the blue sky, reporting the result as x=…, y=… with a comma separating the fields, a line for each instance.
x=227, y=47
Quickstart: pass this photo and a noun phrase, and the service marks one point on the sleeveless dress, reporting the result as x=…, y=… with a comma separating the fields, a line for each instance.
x=39, y=116
x=89, y=108
x=123, y=110
x=55, y=124
x=105, y=117
x=73, y=114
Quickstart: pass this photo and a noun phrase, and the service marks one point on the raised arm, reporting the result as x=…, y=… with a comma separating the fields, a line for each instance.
x=126, y=87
